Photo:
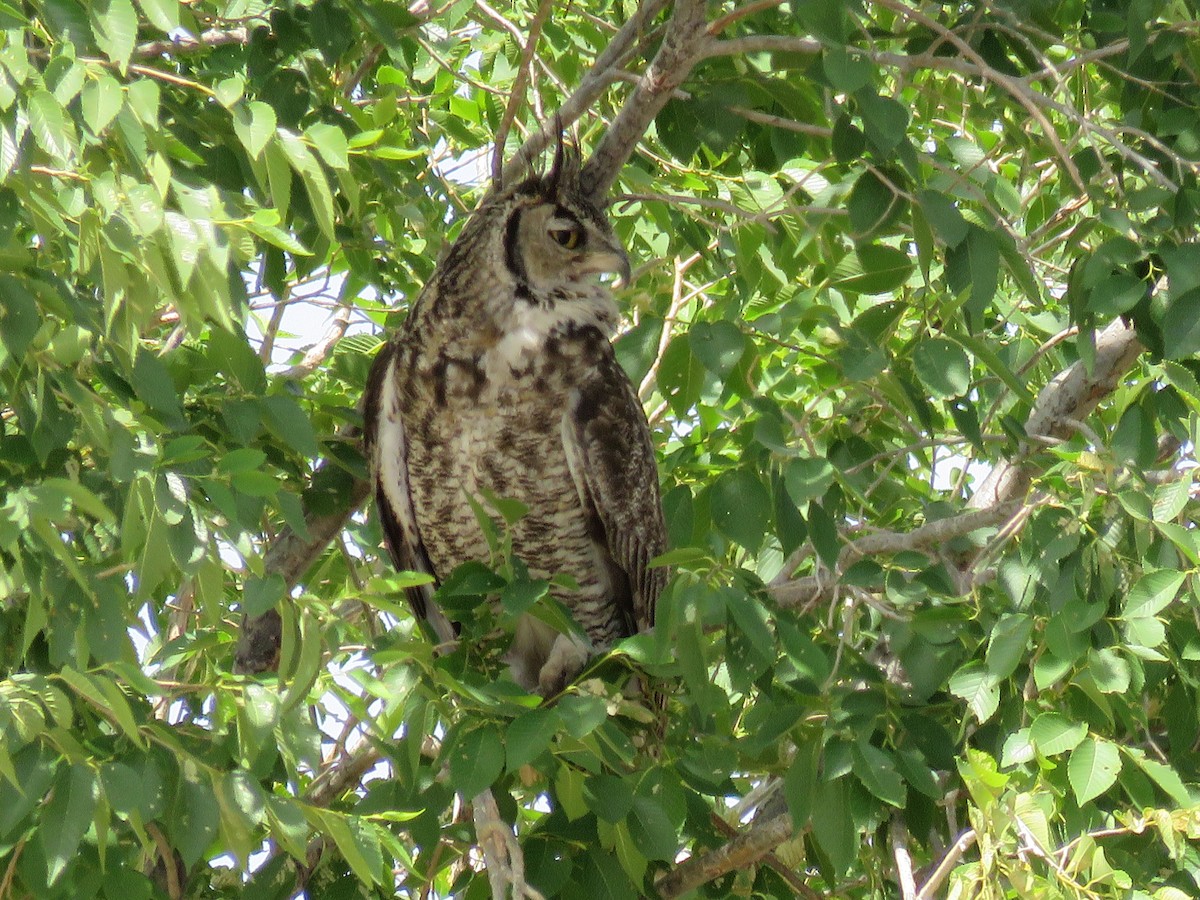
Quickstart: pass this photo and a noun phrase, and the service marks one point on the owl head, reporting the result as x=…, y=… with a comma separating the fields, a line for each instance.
x=555, y=235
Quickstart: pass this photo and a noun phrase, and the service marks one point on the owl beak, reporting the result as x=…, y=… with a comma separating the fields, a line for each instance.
x=611, y=260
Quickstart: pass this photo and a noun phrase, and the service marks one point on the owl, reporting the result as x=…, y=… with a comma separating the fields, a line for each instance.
x=502, y=382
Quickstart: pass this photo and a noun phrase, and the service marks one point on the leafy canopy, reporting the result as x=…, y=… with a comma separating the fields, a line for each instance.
x=916, y=326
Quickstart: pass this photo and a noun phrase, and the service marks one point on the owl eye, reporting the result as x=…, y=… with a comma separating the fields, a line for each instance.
x=571, y=238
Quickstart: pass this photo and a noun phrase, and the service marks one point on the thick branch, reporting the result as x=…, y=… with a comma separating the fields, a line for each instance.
x=1069, y=397
x=742, y=851
x=290, y=556
x=683, y=46
x=605, y=70
x=802, y=591
x=214, y=37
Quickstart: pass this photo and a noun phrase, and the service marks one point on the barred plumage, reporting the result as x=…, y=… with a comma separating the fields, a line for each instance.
x=503, y=379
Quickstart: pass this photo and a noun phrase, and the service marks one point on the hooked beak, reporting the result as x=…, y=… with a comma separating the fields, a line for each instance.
x=611, y=260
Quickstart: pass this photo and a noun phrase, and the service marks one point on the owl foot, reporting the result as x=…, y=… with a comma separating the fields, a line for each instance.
x=567, y=658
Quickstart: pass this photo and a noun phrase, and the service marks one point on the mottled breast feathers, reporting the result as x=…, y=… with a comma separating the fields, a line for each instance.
x=503, y=380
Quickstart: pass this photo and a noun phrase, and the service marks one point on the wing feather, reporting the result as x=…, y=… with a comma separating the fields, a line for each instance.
x=612, y=461
x=387, y=451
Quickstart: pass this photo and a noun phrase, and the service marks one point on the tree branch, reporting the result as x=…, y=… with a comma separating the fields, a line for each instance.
x=742, y=851
x=1069, y=397
x=290, y=556
x=520, y=84
x=949, y=861
x=599, y=77
x=809, y=589
x=683, y=46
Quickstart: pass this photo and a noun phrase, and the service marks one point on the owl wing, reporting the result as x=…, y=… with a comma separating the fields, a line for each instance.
x=387, y=453
x=612, y=462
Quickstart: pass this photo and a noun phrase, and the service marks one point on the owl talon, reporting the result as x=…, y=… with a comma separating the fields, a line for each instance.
x=567, y=658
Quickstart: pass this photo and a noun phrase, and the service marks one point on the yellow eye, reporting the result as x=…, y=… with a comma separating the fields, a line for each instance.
x=567, y=237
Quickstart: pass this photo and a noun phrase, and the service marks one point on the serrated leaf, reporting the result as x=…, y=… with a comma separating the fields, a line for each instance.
x=1152, y=593
x=943, y=367
x=529, y=735
x=100, y=101
x=974, y=684
x=115, y=23
x=1181, y=326
x=1162, y=775
x=198, y=818
x=1054, y=733
x=48, y=123
x=876, y=769
x=163, y=14
x=1007, y=644
x=741, y=507
x=331, y=144
x=316, y=185
x=718, y=345
x=476, y=760
x=254, y=123
x=1093, y=768
x=67, y=817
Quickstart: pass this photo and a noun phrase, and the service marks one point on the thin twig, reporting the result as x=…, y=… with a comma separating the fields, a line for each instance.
x=520, y=83
x=949, y=861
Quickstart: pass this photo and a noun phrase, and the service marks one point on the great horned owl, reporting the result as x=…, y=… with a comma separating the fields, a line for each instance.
x=503, y=380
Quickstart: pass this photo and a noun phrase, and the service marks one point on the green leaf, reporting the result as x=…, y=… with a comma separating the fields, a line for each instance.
x=823, y=533
x=680, y=375
x=974, y=684
x=1181, y=326
x=750, y=618
x=582, y=713
x=808, y=479
x=741, y=507
x=876, y=769
x=315, y=183
x=718, y=345
x=115, y=23
x=652, y=829
x=49, y=126
x=847, y=73
x=331, y=144
x=287, y=421
x=289, y=827
x=357, y=842
x=1054, y=733
x=943, y=367
x=1116, y=295
x=1093, y=768
x=833, y=824
x=254, y=124
x=944, y=216
x=262, y=594
x=529, y=736
x=19, y=316
x=152, y=382
x=1134, y=440
x=1162, y=775
x=608, y=796
x=884, y=120
x=873, y=269
x=68, y=815
x=198, y=818
x=1007, y=644
x=476, y=760
x=163, y=14
x=100, y=102
x=1152, y=593
x=873, y=205
x=973, y=269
